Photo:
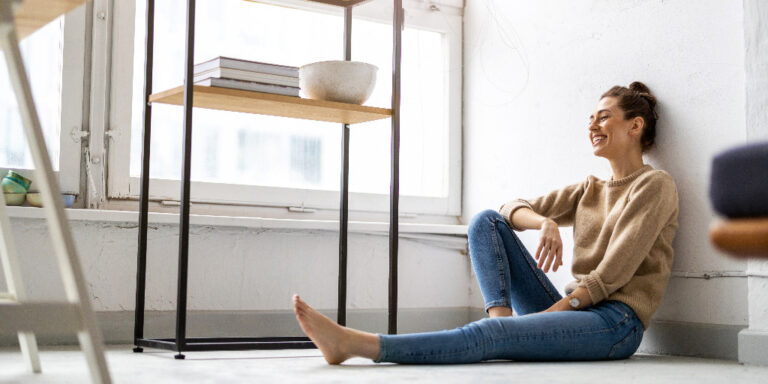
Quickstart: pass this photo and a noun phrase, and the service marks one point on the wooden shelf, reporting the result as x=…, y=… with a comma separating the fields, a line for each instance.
x=34, y=14
x=741, y=237
x=236, y=100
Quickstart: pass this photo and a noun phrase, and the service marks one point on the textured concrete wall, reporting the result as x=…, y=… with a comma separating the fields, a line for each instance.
x=533, y=73
x=245, y=269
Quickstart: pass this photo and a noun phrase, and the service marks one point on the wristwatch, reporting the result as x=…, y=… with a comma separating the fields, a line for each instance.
x=574, y=301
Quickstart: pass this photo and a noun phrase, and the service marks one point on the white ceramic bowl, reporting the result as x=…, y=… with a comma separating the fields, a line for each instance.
x=343, y=81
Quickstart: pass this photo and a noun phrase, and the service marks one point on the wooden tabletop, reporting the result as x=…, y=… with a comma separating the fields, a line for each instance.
x=746, y=238
x=33, y=14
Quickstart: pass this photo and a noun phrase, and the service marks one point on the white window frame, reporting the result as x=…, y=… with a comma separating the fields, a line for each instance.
x=444, y=16
x=72, y=103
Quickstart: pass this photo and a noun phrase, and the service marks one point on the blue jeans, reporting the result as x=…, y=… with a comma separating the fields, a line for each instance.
x=509, y=277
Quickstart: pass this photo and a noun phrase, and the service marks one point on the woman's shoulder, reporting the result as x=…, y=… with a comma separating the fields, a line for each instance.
x=655, y=184
x=651, y=177
x=656, y=177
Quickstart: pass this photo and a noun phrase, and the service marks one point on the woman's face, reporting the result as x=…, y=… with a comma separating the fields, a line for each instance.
x=610, y=134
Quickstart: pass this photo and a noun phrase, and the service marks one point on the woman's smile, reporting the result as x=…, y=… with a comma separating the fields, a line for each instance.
x=597, y=139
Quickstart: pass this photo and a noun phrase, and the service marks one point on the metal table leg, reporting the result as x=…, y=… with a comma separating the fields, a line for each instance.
x=394, y=193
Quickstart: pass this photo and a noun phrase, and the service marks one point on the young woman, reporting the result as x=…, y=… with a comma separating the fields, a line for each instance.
x=623, y=230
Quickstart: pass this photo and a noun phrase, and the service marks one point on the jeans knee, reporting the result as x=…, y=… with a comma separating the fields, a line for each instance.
x=482, y=218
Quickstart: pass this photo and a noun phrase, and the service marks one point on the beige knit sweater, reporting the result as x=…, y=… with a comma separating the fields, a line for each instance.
x=622, y=231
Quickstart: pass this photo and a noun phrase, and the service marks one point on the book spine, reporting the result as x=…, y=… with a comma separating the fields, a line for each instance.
x=235, y=74
x=251, y=86
x=279, y=71
x=271, y=69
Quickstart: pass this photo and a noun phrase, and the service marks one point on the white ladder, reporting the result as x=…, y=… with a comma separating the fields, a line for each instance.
x=17, y=315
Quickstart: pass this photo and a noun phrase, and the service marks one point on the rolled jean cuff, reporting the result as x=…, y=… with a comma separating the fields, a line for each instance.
x=497, y=303
x=382, y=349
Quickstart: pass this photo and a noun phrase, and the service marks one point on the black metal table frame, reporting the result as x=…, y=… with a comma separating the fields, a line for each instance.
x=181, y=343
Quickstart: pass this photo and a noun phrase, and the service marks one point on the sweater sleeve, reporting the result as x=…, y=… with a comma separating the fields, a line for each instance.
x=559, y=205
x=651, y=206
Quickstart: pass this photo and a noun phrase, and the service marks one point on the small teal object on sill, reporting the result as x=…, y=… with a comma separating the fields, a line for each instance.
x=15, y=187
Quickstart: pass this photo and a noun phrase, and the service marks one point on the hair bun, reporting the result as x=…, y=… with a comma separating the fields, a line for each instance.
x=650, y=99
x=644, y=92
x=639, y=87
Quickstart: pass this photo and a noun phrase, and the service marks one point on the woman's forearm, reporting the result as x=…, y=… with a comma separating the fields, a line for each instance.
x=550, y=250
x=525, y=218
x=564, y=304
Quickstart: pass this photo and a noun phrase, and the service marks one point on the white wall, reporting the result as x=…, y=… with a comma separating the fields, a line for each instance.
x=753, y=341
x=533, y=74
x=236, y=269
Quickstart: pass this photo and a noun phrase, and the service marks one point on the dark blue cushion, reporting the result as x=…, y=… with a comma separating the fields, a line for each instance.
x=739, y=182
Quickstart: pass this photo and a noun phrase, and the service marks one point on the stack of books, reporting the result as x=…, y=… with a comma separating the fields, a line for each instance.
x=248, y=75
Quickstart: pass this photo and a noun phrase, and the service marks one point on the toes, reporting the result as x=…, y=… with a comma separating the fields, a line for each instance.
x=298, y=304
x=301, y=304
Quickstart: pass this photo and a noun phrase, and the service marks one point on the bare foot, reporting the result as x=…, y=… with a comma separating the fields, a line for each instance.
x=328, y=336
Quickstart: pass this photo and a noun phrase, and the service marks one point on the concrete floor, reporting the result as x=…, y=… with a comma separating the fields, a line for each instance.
x=67, y=365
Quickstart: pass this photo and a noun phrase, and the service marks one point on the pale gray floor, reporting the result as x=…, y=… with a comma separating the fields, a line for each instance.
x=67, y=365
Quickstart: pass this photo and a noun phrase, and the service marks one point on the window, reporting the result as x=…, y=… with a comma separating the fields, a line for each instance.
x=48, y=53
x=274, y=161
x=42, y=57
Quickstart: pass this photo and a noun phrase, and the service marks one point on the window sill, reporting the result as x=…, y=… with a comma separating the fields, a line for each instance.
x=95, y=215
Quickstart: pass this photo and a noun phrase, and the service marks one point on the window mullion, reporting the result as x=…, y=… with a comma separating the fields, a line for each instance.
x=72, y=100
x=101, y=62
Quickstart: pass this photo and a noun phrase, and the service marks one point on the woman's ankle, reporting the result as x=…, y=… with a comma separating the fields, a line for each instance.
x=363, y=344
x=499, y=311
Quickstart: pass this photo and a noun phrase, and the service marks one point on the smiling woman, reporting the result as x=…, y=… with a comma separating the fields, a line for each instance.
x=636, y=102
x=623, y=231
x=624, y=126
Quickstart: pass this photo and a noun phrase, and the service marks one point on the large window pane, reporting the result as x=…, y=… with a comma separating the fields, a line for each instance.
x=262, y=150
x=42, y=53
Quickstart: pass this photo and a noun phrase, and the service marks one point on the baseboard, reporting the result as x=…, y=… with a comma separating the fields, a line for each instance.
x=715, y=341
x=117, y=327
x=730, y=342
x=753, y=347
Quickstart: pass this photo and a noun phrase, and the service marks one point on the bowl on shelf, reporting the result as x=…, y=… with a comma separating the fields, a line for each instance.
x=337, y=80
x=14, y=198
x=15, y=183
x=35, y=199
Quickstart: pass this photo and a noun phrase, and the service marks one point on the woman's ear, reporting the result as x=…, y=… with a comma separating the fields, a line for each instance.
x=637, y=126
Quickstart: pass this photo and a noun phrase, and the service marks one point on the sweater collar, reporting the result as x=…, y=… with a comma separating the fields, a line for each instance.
x=628, y=179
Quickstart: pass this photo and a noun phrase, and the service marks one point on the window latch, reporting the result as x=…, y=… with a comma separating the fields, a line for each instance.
x=112, y=133
x=78, y=135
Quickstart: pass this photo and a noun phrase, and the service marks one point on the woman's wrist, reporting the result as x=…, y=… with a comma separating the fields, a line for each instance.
x=544, y=221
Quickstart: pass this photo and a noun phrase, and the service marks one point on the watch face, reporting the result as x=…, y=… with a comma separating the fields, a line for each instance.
x=574, y=302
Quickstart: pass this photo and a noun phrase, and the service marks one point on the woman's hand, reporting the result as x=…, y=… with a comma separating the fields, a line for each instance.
x=550, y=250
x=561, y=305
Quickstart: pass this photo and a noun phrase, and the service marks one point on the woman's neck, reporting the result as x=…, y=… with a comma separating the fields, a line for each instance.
x=625, y=166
